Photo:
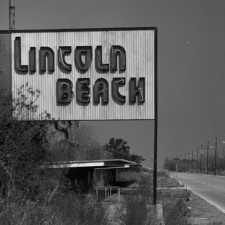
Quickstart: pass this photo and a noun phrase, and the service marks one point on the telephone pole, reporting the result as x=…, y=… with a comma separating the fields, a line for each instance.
x=215, y=154
x=11, y=14
x=185, y=160
x=179, y=163
x=207, y=157
x=197, y=160
x=201, y=159
x=188, y=162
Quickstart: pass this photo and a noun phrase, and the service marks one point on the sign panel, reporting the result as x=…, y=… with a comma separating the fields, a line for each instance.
x=88, y=75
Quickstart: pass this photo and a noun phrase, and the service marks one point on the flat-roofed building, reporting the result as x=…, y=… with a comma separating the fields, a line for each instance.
x=89, y=173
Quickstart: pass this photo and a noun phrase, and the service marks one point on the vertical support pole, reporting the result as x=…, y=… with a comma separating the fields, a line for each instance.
x=201, y=160
x=114, y=172
x=197, y=160
x=179, y=164
x=183, y=165
x=97, y=191
x=156, y=124
x=176, y=168
x=11, y=14
x=207, y=158
x=94, y=178
x=188, y=162
x=215, y=154
x=192, y=161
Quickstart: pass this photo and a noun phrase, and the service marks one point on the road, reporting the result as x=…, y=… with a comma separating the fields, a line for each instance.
x=209, y=187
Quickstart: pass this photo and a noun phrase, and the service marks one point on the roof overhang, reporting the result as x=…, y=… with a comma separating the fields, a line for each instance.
x=106, y=163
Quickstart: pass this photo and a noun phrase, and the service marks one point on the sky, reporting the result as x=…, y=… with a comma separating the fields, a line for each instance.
x=191, y=65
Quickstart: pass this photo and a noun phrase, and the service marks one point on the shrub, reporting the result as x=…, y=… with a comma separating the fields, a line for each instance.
x=135, y=208
x=63, y=210
x=222, y=173
x=175, y=211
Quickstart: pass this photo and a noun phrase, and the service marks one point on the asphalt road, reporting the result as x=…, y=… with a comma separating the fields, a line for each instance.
x=209, y=187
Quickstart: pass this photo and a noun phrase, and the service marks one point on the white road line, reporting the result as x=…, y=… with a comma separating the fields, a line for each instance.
x=210, y=202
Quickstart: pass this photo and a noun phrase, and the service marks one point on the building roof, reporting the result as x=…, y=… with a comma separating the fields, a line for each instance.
x=104, y=163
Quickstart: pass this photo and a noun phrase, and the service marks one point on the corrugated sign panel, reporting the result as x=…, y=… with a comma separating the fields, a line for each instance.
x=5, y=62
x=139, y=49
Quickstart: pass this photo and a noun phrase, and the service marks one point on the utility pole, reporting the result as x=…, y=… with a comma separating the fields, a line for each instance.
x=185, y=161
x=11, y=14
x=207, y=158
x=192, y=161
x=184, y=167
x=197, y=160
x=182, y=164
x=179, y=163
x=176, y=167
x=215, y=154
x=188, y=162
x=201, y=159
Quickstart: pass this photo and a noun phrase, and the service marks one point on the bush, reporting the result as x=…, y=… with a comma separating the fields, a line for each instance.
x=136, y=210
x=63, y=210
x=23, y=143
x=127, y=175
x=31, y=193
x=222, y=173
x=176, y=212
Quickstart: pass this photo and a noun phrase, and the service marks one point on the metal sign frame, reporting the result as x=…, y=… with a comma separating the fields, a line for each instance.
x=6, y=61
x=48, y=59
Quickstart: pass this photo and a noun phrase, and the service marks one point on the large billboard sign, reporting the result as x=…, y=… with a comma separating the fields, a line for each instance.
x=87, y=74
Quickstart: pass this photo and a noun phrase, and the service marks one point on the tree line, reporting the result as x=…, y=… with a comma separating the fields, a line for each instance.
x=204, y=164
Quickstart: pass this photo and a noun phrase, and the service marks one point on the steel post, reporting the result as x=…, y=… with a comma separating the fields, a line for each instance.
x=11, y=15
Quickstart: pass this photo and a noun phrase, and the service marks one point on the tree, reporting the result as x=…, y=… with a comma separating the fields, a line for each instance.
x=23, y=142
x=119, y=149
x=28, y=188
x=80, y=145
x=136, y=158
x=170, y=164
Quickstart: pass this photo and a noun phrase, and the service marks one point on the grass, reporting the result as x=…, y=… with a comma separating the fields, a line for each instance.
x=175, y=206
x=66, y=209
x=202, y=209
x=201, y=212
x=69, y=208
x=175, y=210
x=164, y=180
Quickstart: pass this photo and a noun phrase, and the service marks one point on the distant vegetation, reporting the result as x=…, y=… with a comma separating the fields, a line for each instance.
x=200, y=166
x=119, y=149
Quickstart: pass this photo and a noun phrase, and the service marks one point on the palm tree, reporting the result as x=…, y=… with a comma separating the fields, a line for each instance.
x=118, y=148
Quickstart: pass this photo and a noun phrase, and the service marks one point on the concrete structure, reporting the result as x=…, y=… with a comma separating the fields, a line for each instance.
x=89, y=173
